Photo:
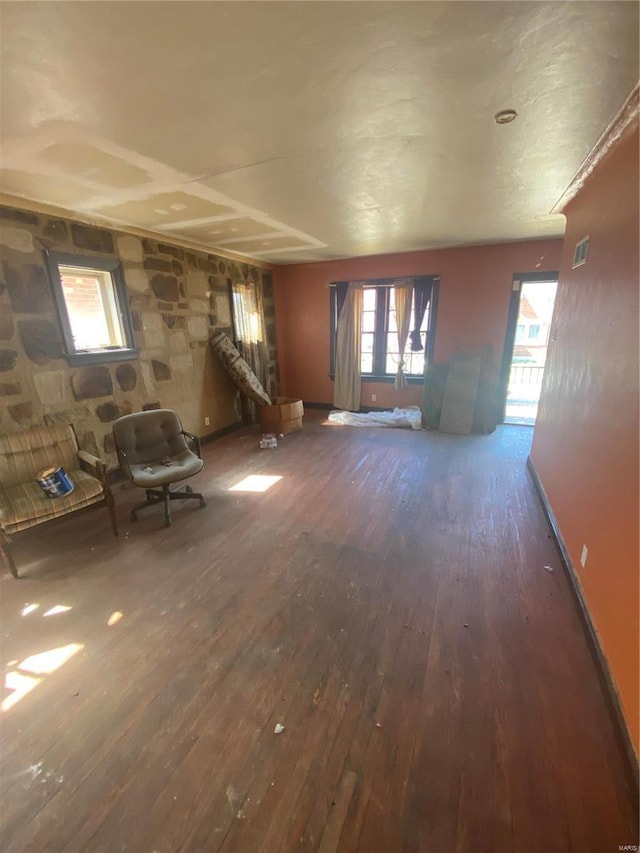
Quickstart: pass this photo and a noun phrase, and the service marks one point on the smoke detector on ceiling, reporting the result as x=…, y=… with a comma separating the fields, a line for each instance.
x=505, y=116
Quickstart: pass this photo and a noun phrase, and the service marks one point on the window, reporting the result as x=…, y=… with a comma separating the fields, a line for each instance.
x=534, y=330
x=91, y=298
x=519, y=332
x=379, y=344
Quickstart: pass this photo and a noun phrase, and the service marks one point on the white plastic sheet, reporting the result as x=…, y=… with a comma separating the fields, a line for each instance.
x=411, y=416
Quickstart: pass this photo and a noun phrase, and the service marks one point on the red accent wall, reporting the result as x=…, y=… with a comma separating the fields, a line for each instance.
x=475, y=288
x=585, y=447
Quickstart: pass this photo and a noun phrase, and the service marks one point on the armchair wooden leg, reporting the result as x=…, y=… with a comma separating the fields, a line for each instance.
x=111, y=506
x=7, y=557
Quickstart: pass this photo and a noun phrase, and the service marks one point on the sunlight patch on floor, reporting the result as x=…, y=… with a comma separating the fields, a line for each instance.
x=256, y=483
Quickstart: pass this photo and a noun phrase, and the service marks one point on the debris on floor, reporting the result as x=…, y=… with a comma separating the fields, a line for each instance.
x=278, y=729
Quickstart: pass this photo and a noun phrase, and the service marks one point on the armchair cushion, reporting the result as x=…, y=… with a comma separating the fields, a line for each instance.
x=25, y=504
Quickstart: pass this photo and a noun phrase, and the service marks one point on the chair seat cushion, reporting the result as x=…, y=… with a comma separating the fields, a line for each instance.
x=25, y=505
x=155, y=474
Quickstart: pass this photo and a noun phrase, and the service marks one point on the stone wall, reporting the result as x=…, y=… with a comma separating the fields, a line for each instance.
x=178, y=299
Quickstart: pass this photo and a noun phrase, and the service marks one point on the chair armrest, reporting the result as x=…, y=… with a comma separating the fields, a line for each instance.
x=96, y=465
x=196, y=442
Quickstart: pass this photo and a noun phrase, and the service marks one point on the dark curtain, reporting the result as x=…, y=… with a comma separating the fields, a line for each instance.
x=341, y=294
x=421, y=298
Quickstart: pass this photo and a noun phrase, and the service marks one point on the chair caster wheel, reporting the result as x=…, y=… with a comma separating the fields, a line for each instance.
x=202, y=503
x=188, y=490
x=133, y=516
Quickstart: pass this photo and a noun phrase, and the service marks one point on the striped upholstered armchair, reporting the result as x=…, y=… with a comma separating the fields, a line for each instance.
x=23, y=503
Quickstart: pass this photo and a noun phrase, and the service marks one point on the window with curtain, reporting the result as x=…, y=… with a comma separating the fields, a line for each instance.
x=379, y=356
x=249, y=336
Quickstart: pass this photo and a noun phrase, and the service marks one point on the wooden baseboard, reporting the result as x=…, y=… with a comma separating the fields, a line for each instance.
x=308, y=405
x=595, y=647
x=219, y=433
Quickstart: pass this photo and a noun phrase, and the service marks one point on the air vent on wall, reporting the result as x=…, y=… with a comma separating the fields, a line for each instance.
x=580, y=252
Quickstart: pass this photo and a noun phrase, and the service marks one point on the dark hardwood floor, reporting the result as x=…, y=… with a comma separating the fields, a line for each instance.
x=386, y=601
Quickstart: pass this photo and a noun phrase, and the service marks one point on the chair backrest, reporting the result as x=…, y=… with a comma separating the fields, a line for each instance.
x=148, y=437
x=23, y=455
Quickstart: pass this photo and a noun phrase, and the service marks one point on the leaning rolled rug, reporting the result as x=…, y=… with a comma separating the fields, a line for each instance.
x=238, y=369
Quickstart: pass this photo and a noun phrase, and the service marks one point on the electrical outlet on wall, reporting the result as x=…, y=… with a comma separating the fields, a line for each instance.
x=207, y=421
x=373, y=398
x=583, y=556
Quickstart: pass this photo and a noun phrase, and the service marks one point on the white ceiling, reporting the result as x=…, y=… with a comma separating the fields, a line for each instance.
x=310, y=130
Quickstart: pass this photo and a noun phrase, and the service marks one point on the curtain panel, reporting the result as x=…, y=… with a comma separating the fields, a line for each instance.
x=347, y=384
x=250, y=339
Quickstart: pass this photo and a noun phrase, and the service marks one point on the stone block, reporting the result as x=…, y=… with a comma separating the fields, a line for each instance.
x=198, y=344
x=126, y=376
x=148, y=379
x=130, y=248
x=136, y=279
x=18, y=239
x=6, y=324
x=40, y=340
x=198, y=283
x=8, y=359
x=223, y=309
x=206, y=266
x=93, y=239
x=51, y=387
x=159, y=264
x=178, y=342
x=150, y=246
x=22, y=413
x=174, y=251
x=108, y=412
x=153, y=339
x=88, y=442
x=28, y=288
x=108, y=443
x=191, y=260
x=161, y=371
x=222, y=267
x=10, y=389
x=177, y=268
x=181, y=362
x=183, y=306
x=172, y=321
x=198, y=327
x=151, y=320
x=56, y=230
x=165, y=306
x=199, y=306
x=91, y=382
x=150, y=407
x=165, y=288
x=12, y=215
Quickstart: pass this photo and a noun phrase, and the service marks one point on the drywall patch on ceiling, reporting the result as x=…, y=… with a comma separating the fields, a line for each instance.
x=227, y=230
x=257, y=245
x=163, y=208
x=87, y=161
x=53, y=190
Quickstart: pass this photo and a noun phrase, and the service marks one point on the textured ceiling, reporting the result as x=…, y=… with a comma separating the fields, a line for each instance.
x=302, y=131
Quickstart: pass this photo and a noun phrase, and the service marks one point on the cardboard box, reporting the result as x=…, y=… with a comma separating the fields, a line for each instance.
x=284, y=416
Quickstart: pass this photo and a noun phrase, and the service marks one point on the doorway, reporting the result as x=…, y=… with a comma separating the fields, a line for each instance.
x=529, y=328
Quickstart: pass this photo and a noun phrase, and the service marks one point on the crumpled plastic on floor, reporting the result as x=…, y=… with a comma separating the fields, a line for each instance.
x=410, y=416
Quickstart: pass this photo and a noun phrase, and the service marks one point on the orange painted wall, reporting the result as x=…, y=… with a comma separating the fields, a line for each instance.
x=585, y=447
x=475, y=288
